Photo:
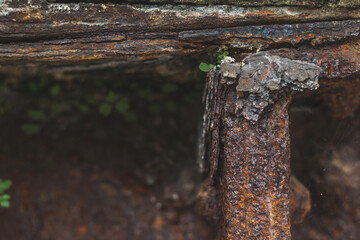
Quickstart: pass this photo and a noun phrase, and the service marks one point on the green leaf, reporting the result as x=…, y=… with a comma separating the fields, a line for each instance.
x=130, y=116
x=30, y=129
x=155, y=108
x=111, y=97
x=4, y=198
x=105, y=109
x=55, y=90
x=37, y=85
x=4, y=203
x=122, y=106
x=83, y=108
x=144, y=93
x=36, y=115
x=4, y=185
x=205, y=67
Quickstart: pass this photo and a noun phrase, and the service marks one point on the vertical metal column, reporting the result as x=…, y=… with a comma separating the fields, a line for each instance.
x=255, y=176
x=254, y=150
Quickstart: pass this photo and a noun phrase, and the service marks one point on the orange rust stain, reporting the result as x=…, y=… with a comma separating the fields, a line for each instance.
x=30, y=15
x=179, y=233
x=29, y=49
x=158, y=223
x=118, y=38
x=260, y=13
x=109, y=46
x=82, y=229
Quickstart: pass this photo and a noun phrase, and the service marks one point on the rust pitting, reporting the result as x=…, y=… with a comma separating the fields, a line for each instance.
x=261, y=74
x=248, y=113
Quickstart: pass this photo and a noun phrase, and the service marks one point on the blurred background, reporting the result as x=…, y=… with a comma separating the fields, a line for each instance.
x=111, y=154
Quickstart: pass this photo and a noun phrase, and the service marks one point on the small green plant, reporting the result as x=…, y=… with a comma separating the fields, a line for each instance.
x=105, y=109
x=219, y=54
x=50, y=102
x=30, y=129
x=120, y=103
x=205, y=67
x=4, y=198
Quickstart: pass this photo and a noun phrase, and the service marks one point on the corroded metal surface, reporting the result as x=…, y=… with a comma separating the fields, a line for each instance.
x=255, y=177
x=303, y=3
x=41, y=33
x=252, y=179
x=48, y=20
x=248, y=189
x=338, y=61
x=139, y=46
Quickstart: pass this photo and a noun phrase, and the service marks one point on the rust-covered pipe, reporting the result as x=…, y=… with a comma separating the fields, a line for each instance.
x=254, y=156
x=255, y=176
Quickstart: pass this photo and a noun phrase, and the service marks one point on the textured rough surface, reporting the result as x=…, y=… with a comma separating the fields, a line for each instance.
x=247, y=119
x=261, y=73
x=252, y=179
x=338, y=61
x=39, y=34
x=303, y=3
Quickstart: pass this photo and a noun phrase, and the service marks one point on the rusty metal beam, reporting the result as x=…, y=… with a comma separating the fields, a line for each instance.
x=338, y=59
x=39, y=32
x=41, y=19
x=140, y=46
x=252, y=179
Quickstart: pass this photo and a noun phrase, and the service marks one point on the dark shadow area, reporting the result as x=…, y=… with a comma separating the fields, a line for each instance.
x=325, y=131
x=101, y=158
x=115, y=158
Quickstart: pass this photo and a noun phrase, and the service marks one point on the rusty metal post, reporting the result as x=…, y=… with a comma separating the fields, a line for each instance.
x=255, y=176
x=254, y=160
